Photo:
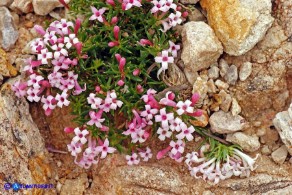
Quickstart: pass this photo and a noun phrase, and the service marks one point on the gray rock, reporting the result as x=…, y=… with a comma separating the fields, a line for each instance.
x=211, y=86
x=196, y=15
x=23, y=153
x=226, y=100
x=44, y=7
x=221, y=85
x=249, y=143
x=223, y=65
x=189, y=1
x=283, y=123
x=8, y=33
x=5, y=2
x=24, y=6
x=200, y=86
x=222, y=122
x=231, y=75
x=280, y=155
x=75, y=186
x=245, y=71
x=201, y=48
x=235, y=108
x=266, y=150
x=213, y=72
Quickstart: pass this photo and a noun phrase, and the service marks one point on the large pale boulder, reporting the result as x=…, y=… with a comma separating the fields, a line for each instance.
x=201, y=48
x=44, y=7
x=8, y=32
x=24, y=6
x=239, y=24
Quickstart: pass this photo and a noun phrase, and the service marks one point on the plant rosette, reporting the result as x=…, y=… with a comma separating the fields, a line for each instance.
x=107, y=68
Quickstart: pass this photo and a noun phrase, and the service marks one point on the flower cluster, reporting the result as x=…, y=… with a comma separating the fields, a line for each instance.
x=53, y=67
x=94, y=151
x=167, y=115
x=214, y=169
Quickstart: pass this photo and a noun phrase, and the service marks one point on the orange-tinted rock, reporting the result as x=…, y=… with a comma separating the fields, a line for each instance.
x=239, y=25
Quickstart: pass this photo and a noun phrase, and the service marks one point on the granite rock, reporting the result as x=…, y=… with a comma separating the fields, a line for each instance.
x=249, y=143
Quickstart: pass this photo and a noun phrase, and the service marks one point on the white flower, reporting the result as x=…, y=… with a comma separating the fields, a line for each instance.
x=163, y=133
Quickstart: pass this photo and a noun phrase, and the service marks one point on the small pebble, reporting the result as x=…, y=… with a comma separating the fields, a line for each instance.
x=280, y=155
x=231, y=75
x=221, y=85
x=28, y=24
x=245, y=71
x=223, y=67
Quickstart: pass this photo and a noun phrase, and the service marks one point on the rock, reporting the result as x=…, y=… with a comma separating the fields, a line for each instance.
x=266, y=150
x=75, y=186
x=239, y=24
x=213, y=72
x=223, y=65
x=24, y=6
x=235, y=108
x=8, y=33
x=44, y=7
x=200, y=87
x=5, y=2
x=208, y=192
x=211, y=86
x=201, y=47
x=189, y=1
x=222, y=122
x=1, y=79
x=191, y=76
x=249, y=143
x=196, y=15
x=231, y=75
x=226, y=101
x=280, y=155
x=280, y=100
x=221, y=85
x=201, y=121
x=6, y=69
x=283, y=123
x=245, y=71
x=23, y=153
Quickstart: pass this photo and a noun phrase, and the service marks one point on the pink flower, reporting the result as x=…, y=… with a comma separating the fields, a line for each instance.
x=63, y=25
x=146, y=155
x=177, y=157
x=68, y=129
x=80, y=136
x=163, y=133
x=175, y=18
x=111, y=2
x=175, y=124
x=166, y=25
x=139, y=89
x=48, y=102
x=128, y=4
x=186, y=132
x=95, y=118
x=34, y=81
x=195, y=98
x=55, y=79
x=184, y=107
x=145, y=42
x=138, y=136
x=133, y=159
x=40, y=30
x=44, y=56
x=62, y=99
x=74, y=148
x=168, y=100
x=32, y=94
x=164, y=117
x=173, y=48
x=121, y=83
x=169, y=4
x=50, y=38
x=105, y=149
x=178, y=146
x=149, y=112
x=19, y=88
x=164, y=59
x=113, y=43
x=97, y=14
x=37, y=45
x=114, y=20
x=77, y=26
x=95, y=102
x=61, y=63
x=158, y=6
x=78, y=88
x=136, y=72
x=111, y=101
x=150, y=99
x=70, y=40
x=59, y=50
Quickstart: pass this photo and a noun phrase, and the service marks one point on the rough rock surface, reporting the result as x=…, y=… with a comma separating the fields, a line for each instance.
x=75, y=186
x=201, y=48
x=6, y=69
x=189, y=1
x=5, y=2
x=25, y=6
x=280, y=155
x=283, y=123
x=44, y=7
x=22, y=149
x=222, y=122
x=239, y=24
x=231, y=75
x=247, y=142
x=8, y=32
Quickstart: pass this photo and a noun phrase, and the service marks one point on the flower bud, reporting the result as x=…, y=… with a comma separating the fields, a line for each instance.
x=122, y=64
x=118, y=57
x=68, y=129
x=121, y=83
x=116, y=32
x=114, y=20
x=195, y=98
x=113, y=43
x=40, y=30
x=97, y=88
x=139, y=89
x=136, y=72
x=185, y=14
x=110, y=2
